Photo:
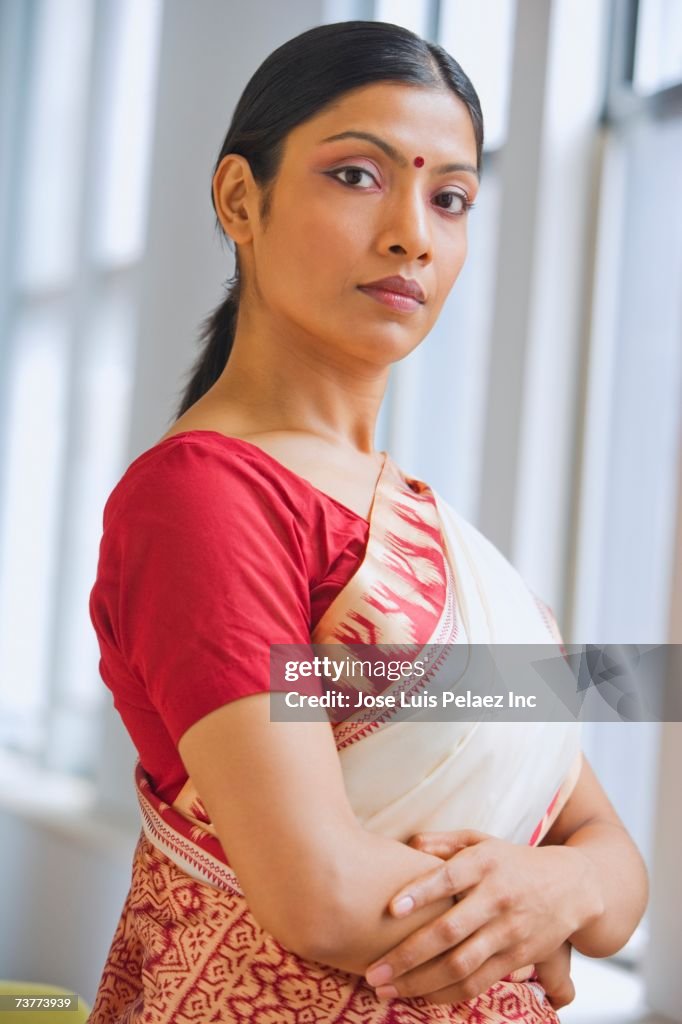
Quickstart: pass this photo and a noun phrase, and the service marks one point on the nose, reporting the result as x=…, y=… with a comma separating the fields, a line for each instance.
x=405, y=229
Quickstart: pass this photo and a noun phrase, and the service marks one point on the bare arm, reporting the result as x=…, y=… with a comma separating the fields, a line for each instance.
x=590, y=825
x=585, y=885
x=312, y=876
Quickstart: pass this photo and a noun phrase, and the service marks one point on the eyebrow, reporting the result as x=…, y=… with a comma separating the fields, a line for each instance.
x=397, y=156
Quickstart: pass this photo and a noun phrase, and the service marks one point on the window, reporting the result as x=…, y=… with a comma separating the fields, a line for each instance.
x=658, y=46
x=77, y=113
x=633, y=423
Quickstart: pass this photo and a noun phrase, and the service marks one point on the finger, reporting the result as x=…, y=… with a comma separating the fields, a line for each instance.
x=445, y=844
x=459, y=962
x=553, y=974
x=476, y=984
x=563, y=995
x=438, y=848
x=451, y=878
x=406, y=961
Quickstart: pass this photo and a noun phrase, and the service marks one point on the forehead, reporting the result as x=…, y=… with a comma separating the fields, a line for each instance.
x=416, y=119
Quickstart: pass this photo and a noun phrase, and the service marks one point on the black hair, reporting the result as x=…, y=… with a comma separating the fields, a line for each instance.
x=293, y=84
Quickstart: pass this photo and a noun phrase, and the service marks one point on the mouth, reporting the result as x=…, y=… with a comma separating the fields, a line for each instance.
x=395, y=300
x=405, y=295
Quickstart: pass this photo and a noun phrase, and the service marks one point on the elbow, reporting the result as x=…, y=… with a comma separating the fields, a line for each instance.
x=304, y=930
x=321, y=933
x=328, y=934
x=294, y=933
x=326, y=940
x=338, y=934
x=314, y=943
x=332, y=925
x=327, y=943
x=310, y=920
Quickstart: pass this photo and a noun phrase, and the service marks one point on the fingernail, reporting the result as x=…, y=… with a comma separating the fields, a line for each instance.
x=403, y=906
x=386, y=992
x=379, y=974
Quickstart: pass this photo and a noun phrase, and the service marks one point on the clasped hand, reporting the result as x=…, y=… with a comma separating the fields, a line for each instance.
x=514, y=906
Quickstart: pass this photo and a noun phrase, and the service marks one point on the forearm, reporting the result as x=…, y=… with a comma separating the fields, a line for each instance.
x=362, y=930
x=617, y=882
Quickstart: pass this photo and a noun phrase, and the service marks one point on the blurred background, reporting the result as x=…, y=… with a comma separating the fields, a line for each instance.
x=545, y=404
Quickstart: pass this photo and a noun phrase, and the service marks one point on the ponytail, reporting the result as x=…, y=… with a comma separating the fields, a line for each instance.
x=216, y=337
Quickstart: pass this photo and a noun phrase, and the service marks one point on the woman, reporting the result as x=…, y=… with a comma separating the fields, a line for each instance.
x=271, y=850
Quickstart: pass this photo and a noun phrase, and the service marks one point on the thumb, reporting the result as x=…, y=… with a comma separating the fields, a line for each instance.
x=554, y=976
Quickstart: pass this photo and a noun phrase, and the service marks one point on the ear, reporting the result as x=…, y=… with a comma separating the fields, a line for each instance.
x=235, y=197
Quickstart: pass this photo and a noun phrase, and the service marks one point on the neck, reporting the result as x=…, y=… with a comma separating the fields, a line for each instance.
x=286, y=381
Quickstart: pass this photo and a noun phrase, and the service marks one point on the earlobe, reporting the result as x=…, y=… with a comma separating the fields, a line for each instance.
x=231, y=188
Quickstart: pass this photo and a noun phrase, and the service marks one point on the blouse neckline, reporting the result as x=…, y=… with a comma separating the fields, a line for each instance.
x=231, y=439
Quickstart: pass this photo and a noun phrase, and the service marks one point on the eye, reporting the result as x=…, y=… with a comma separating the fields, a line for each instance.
x=351, y=170
x=465, y=204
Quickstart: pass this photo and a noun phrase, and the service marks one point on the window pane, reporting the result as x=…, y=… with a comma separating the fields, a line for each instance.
x=658, y=47
x=104, y=380
x=480, y=36
x=636, y=424
x=646, y=421
x=412, y=14
x=125, y=127
x=53, y=161
x=28, y=545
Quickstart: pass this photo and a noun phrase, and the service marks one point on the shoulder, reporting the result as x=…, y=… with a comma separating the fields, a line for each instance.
x=209, y=475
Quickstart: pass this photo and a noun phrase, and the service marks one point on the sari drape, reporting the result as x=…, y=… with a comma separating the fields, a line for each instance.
x=187, y=947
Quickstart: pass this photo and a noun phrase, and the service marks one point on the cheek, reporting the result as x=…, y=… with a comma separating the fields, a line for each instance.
x=454, y=247
x=449, y=262
x=316, y=243
x=460, y=257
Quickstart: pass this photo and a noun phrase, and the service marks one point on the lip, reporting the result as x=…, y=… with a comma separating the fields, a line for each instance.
x=397, y=285
x=394, y=300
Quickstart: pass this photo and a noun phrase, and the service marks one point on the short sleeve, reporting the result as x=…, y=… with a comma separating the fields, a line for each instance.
x=210, y=572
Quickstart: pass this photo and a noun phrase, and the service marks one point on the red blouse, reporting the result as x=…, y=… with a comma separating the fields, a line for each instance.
x=211, y=551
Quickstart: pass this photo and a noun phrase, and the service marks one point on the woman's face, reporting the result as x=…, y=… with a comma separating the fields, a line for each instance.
x=348, y=211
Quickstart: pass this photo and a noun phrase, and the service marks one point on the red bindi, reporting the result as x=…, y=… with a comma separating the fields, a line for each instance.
x=419, y=161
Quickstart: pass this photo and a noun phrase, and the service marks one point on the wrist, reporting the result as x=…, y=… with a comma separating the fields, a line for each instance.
x=582, y=893
x=588, y=890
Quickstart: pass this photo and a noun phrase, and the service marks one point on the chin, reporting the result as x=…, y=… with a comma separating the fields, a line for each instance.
x=382, y=347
